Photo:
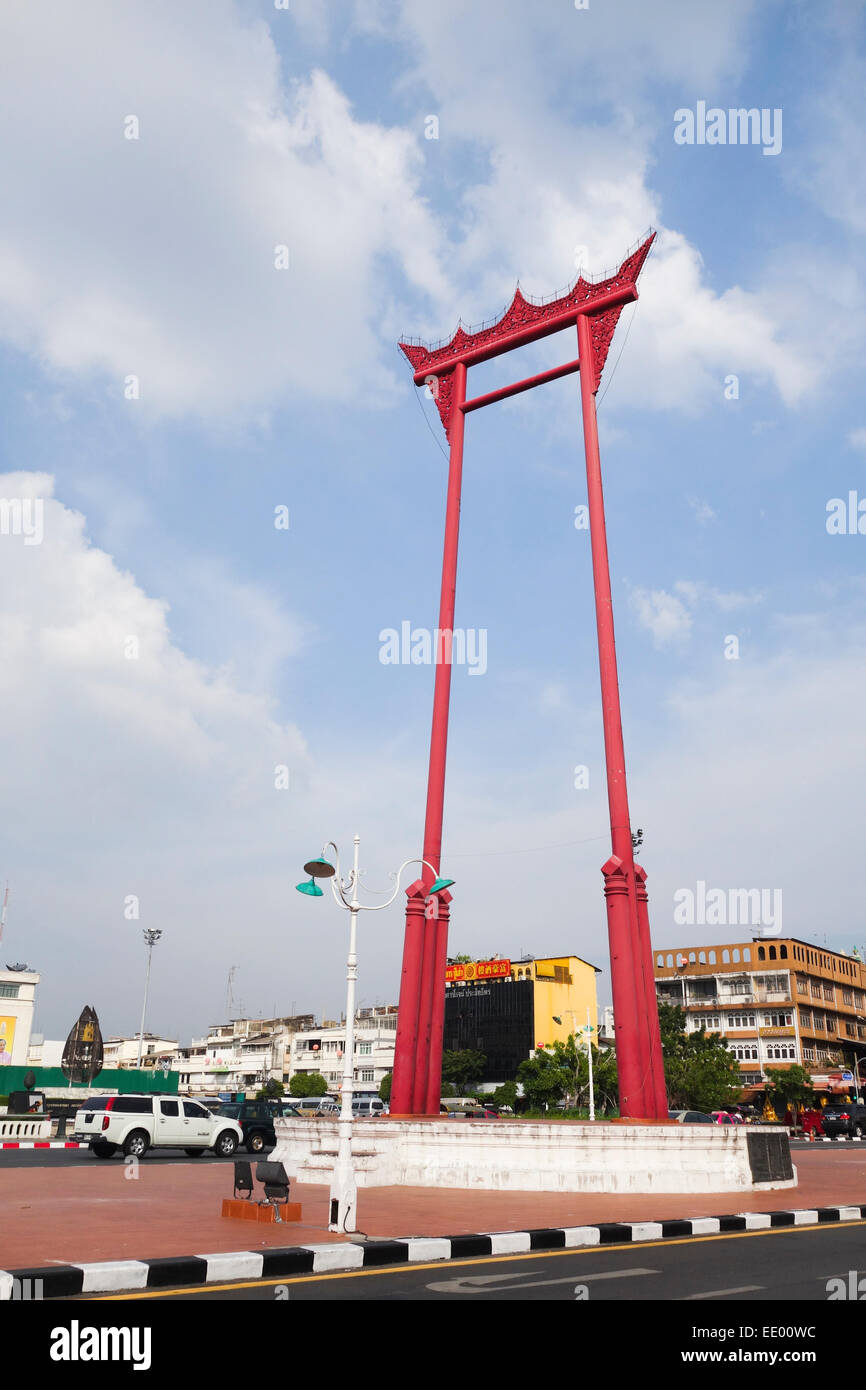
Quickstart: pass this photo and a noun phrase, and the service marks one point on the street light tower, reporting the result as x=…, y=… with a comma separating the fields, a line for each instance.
x=151, y=936
x=344, y=1191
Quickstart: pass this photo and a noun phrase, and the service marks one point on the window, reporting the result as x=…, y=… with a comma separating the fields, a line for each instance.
x=712, y=957
x=365, y=1049
x=847, y=996
x=702, y=957
x=660, y=961
x=783, y=953
x=9, y=991
x=858, y=999
x=802, y=984
x=692, y=958
x=816, y=989
x=736, y=954
x=772, y=953
x=829, y=992
x=669, y=962
x=195, y=1112
x=168, y=1107
x=762, y=954
x=747, y=953
x=726, y=957
x=809, y=1054
x=367, y=1075
x=780, y=1020
x=741, y=1020
x=133, y=1105
x=805, y=1018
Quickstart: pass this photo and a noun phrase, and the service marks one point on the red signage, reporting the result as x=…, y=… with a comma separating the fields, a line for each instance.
x=479, y=970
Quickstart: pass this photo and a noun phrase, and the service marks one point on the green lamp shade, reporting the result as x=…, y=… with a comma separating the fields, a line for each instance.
x=438, y=886
x=557, y=1020
x=311, y=889
x=319, y=868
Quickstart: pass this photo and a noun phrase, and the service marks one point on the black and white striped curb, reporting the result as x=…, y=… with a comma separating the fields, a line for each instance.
x=115, y=1276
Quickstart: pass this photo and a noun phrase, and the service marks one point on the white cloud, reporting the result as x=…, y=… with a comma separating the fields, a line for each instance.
x=155, y=256
x=702, y=510
x=663, y=615
x=669, y=617
x=857, y=439
x=129, y=768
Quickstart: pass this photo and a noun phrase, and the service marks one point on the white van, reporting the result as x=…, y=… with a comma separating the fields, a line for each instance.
x=318, y=1106
x=365, y=1106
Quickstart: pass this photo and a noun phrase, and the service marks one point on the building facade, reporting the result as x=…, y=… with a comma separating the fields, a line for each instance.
x=240, y=1055
x=17, y=1002
x=506, y=1009
x=323, y=1050
x=776, y=1003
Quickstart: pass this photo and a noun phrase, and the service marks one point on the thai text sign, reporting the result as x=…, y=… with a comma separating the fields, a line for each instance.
x=479, y=970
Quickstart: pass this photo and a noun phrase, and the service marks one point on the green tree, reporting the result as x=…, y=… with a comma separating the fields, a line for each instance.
x=506, y=1094
x=308, y=1084
x=790, y=1088
x=385, y=1086
x=462, y=1068
x=700, y=1072
x=272, y=1090
x=543, y=1078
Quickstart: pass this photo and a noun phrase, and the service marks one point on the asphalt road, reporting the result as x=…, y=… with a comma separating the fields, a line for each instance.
x=784, y=1266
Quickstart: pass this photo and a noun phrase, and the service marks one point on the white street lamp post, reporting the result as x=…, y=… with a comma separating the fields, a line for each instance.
x=151, y=936
x=589, y=1030
x=344, y=1189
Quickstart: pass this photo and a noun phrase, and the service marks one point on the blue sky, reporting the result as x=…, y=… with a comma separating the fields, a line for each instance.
x=154, y=257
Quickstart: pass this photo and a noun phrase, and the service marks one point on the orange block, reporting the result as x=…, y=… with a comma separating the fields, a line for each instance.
x=240, y=1210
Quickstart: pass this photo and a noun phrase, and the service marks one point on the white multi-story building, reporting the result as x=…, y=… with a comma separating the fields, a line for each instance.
x=17, y=1000
x=323, y=1050
x=122, y=1052
x=240, y=1055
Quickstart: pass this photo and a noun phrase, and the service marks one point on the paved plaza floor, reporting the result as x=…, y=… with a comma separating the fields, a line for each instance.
x=92, y=1211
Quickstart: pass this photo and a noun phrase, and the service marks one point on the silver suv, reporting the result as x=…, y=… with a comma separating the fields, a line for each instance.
x=138, y=1123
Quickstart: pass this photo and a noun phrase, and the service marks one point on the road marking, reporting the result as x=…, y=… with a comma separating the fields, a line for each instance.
x=722, y=1293
x=209, y=1289
x=482, y=1282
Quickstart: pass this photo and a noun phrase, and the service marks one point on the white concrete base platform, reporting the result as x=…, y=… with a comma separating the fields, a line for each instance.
x=535, y=1156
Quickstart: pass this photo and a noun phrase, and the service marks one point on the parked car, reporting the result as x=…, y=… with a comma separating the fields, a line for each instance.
x=317, y=1107
x=364, y=1107
x=724, y=1117
x=256, y=1119
x=138, y=1123
x=481, y=1114
x=844, y=1119
x=690, y=1117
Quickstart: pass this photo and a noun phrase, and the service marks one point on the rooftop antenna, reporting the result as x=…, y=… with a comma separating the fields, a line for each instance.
x=230, y=994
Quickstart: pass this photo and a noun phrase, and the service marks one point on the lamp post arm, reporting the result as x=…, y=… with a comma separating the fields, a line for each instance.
x=395, y=877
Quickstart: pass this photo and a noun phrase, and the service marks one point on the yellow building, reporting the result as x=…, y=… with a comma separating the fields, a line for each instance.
x=506, y=1009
